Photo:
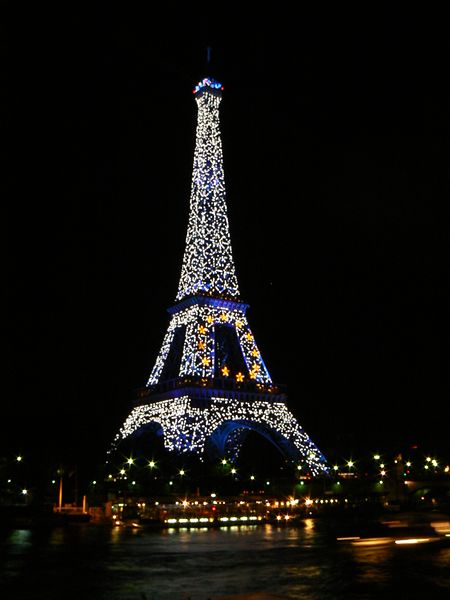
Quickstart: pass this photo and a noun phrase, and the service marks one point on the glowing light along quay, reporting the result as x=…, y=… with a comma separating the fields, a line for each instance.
x=209, y=386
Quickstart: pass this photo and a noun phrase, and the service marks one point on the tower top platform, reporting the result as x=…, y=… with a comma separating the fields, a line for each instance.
x=208, y=84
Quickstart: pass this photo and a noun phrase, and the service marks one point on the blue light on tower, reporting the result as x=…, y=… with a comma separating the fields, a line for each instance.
x=207, y=83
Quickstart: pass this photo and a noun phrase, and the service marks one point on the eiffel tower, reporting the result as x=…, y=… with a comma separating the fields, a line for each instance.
x=209, y=386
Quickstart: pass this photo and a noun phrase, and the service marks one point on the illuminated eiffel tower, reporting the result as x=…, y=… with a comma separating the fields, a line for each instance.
x=209, y=386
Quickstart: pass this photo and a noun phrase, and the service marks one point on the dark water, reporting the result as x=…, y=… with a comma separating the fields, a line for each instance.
x=306, y=562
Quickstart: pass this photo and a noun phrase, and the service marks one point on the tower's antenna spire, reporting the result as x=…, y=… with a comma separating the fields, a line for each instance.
x=208, y=55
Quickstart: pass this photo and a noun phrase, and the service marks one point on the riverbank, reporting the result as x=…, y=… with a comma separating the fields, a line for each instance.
x=349, y=522
x=30, y=516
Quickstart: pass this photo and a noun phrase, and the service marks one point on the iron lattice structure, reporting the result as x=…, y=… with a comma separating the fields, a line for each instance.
x=209, y=386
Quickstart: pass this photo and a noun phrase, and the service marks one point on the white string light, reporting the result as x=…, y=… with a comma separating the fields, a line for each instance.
x=208, y=297
x=188, y=428
x=208, y=266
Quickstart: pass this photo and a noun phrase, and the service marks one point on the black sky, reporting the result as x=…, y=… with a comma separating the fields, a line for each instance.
x=335, y=135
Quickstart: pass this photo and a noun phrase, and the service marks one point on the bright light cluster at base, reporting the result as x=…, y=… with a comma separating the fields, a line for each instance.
x=188, y=428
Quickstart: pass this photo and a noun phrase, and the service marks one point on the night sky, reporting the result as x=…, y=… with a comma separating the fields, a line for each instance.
x=335, y=138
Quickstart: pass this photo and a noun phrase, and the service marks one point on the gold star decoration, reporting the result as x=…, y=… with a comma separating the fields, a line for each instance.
x=249, y=336
x=205, y=361
x=238, y=324
x=255, y=352
x=223, y=317
x=225, y=371
x=202, y=329
x=239, y=377
x=201, y=345
x=210, y=319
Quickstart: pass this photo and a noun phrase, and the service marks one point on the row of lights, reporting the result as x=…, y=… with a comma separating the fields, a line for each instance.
x=350, y=464
x=152, y=465
x=429, y=462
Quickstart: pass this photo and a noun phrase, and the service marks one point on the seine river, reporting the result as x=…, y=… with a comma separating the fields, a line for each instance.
x=305, y=561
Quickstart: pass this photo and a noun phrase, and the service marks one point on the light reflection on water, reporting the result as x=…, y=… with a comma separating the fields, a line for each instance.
x=87, y=562
x=370, y=563
x=20, y=538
